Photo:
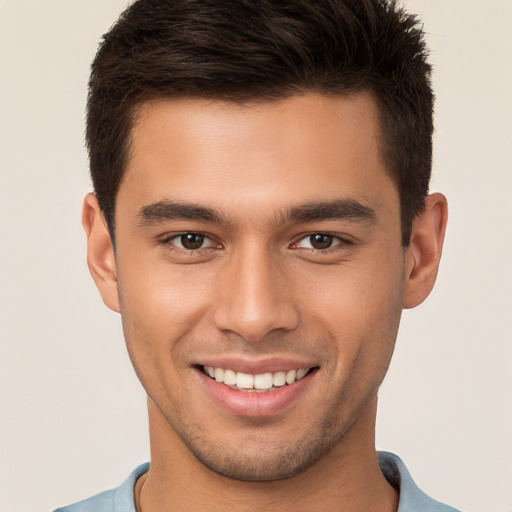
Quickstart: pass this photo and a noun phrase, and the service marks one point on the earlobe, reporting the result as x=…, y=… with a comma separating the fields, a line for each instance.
x=100, y=252
x=424, y=252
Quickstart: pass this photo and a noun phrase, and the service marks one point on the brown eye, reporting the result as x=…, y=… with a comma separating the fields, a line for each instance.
x=320, y=241
x=192, y=241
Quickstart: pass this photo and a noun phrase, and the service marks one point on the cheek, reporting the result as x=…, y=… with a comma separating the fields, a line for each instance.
x=160, y=305
x=360, y=307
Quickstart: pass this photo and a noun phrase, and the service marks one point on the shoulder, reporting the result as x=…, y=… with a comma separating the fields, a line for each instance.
x=103, y=502
x=412, y=498
x=119, y=499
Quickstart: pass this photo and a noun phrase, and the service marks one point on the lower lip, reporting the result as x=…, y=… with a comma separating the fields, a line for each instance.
x=254, y=404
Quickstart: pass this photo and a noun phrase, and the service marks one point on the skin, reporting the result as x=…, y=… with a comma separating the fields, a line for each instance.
x=257, y=290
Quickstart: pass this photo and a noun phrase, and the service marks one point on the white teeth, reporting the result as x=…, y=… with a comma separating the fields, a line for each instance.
x=301, y=373
x=261, y=382
x=229, y=377
x=244, y=380
x=290, y=377
x=279, y=379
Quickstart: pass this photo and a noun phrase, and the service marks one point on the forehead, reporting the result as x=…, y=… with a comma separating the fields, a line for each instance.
x=261, y=155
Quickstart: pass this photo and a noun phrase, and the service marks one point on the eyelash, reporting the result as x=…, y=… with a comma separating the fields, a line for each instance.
x=168, y=241
x=335, y=241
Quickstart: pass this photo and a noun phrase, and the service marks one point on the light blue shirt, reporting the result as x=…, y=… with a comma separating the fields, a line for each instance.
x=412, y=498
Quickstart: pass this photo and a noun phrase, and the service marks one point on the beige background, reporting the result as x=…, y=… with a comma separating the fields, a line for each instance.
x=72, y=414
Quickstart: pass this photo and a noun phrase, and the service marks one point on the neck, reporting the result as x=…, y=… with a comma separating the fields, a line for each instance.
x=348, y=478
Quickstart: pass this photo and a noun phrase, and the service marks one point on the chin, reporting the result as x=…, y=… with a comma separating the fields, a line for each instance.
x=258, y=461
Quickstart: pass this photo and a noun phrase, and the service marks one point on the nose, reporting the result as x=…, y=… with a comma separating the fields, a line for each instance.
x=256, y=298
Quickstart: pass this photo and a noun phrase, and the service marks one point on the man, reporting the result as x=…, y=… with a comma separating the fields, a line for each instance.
x=260, y=219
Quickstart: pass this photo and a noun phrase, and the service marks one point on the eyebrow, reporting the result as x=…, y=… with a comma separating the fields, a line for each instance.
x=165, y=210
x=336, y=209
x=314, y=211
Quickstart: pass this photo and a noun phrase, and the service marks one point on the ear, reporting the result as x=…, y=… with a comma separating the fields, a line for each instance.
x=423, y=255
x=100, y=252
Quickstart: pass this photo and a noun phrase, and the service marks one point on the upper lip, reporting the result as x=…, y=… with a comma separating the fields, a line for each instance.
x=255, y=366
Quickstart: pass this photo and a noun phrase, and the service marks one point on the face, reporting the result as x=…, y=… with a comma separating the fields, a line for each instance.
x=260, y=275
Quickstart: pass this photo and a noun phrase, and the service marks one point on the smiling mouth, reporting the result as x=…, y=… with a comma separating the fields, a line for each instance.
x=259, y=383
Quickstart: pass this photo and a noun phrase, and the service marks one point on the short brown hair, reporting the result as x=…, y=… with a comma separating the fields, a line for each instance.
x=246, y=50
